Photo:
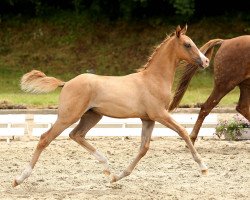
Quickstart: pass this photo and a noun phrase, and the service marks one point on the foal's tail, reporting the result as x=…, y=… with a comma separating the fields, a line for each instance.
x=37, y=82
x=207, y=50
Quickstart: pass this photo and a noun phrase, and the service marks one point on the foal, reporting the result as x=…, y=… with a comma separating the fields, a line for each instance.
x=145, y=95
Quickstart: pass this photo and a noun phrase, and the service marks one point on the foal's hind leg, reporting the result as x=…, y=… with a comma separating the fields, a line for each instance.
x=243, y=106
x=168, y=121
x=88, y=120
x=147, y=128
x=44, y=141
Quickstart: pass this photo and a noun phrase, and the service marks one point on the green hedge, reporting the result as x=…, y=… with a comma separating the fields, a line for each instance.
x=125, y=9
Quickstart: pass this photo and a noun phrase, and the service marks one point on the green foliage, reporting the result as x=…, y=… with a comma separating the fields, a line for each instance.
x=185, y=8
x=179, y=10
x=68, y=44
x=77, y=4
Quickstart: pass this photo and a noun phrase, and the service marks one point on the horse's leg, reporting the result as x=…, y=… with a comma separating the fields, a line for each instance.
x=69, y=111
x=44, y=141
x=147, y=128
x=243, y=106
x=217, y=94
x=168, y=121
x=88, y=120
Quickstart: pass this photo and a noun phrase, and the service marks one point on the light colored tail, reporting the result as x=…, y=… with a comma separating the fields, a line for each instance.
x=37, y=82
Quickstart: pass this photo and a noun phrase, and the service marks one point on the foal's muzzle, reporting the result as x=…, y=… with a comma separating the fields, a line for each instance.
x=202, y=61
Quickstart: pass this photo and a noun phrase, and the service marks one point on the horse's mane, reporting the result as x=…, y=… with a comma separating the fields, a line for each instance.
x=154, y=52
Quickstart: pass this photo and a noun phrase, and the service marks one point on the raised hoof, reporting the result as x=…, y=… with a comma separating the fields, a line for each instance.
x=114, y=178
x=14, y=184
x=204, y=172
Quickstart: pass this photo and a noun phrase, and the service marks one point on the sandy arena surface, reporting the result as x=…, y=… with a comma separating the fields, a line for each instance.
x=66, y=171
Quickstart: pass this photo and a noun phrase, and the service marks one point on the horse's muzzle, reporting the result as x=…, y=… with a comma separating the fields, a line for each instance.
x=204, y=61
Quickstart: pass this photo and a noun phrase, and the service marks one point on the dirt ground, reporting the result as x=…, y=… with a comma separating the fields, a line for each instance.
x=66, y=171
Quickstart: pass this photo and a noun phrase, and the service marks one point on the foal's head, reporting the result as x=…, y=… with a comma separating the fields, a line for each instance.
x=187, y=50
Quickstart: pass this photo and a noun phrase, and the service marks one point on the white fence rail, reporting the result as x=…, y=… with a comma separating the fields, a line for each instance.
x=34, y=125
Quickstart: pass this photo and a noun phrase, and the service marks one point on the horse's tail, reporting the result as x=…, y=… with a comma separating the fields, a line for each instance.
x=37, y=82
x=207, y=50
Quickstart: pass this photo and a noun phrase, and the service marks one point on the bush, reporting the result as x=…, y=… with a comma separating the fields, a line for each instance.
x=232, y=129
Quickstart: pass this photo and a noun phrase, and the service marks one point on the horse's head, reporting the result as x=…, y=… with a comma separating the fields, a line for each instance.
x=187, y=50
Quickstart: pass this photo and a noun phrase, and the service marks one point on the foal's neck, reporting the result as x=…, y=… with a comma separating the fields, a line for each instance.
x=164, y=62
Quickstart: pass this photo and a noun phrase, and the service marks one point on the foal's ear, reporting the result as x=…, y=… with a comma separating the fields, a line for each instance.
x=184, y=29
x=178, y=31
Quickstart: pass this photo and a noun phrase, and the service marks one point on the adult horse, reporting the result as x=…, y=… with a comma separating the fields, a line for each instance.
x=231, y=69
x=145, y=94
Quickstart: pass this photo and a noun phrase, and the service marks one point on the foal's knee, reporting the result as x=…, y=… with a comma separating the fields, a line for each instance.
x=183, y=133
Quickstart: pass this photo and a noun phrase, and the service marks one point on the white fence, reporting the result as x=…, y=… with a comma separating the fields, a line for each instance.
x=12, y=125
x=34, y=125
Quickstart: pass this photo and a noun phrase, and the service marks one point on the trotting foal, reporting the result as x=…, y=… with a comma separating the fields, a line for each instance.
x=145, y=94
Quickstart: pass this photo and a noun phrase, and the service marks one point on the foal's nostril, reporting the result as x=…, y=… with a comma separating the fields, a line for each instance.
x=202, y=62
x=207, y=61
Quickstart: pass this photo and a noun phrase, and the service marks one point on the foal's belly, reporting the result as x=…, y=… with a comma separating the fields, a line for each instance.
x=117, y=111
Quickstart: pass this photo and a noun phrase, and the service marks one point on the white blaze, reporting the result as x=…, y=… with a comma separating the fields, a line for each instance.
x=204, y=59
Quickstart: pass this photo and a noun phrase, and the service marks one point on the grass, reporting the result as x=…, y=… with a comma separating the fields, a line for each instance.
x=67, y=45
x=31, y=100
x=201, y=87
x=195, y=95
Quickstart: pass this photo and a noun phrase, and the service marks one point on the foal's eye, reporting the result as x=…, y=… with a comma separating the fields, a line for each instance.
x=187, y=45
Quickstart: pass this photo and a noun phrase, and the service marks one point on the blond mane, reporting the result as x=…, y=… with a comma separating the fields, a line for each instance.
x=154, y=52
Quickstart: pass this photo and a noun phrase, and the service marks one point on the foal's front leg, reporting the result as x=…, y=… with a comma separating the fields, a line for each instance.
x=147, y=128
x=168, y=121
